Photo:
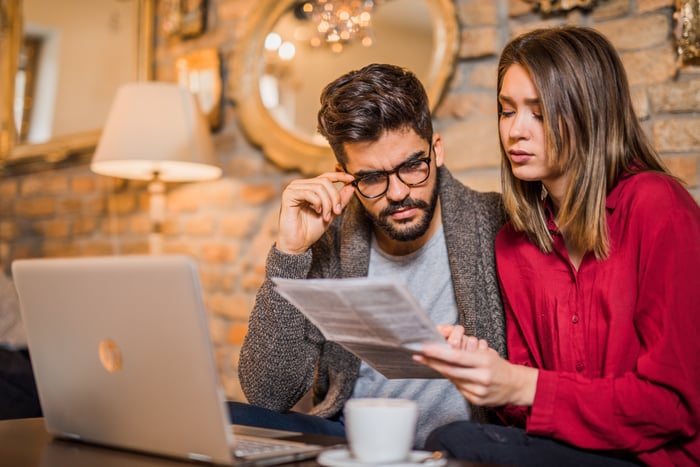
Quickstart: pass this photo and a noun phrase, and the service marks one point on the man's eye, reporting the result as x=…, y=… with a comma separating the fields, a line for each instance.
x=412, y=165
x=373, y=179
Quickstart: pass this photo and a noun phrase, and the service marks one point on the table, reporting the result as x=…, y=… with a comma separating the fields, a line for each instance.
x=25, y=443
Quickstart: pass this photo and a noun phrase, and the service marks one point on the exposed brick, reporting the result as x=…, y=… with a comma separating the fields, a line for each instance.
x=684, y=167
x=472, y=144
x=479, y=42
x=252, y=281
x=35, y=207
x=9, y=187
x=644, y=6
x=484, y=75
x=121, y=203
x=636, y=33
x=239, y=224
x=217, y=253
x=183, y=200
x=140, y=224
x=675, y=96
x=83, y=184
x=649, y=66
x=70, y=206
x=677, y=135
x=199, y=226
x=477, y=13
x=84, y=225
x=8, y=231
x=237, y=333
x=519, y=8
x=59, y=248
x=258, y=193
x=56, y=228
x=97, y=248
x=610, y=9
x=462, y=106
x=44, y=184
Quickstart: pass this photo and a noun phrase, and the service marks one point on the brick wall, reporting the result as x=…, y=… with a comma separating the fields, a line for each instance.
x=229, y=224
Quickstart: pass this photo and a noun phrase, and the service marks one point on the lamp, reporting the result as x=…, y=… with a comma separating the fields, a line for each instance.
x=155, y=131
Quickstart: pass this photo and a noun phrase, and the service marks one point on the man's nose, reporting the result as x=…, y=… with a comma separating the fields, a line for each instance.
x=397, y=190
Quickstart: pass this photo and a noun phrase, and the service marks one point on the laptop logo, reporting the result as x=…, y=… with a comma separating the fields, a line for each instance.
x=110, y=355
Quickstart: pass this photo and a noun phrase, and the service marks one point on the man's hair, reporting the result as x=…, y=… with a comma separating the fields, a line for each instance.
x=590, y=128
x=362, y=105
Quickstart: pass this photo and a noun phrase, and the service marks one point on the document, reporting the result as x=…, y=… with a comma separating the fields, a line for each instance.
x=378, y=320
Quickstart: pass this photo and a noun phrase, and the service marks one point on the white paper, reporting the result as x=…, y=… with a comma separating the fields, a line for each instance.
x=378, y=320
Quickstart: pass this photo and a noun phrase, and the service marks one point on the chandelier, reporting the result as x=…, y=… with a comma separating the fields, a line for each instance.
x=340, y=22
x=549, y=6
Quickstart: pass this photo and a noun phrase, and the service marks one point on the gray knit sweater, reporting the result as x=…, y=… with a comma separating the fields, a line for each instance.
x=284, y=355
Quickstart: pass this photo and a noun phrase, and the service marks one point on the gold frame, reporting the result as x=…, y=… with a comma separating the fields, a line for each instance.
x=284, y=148
x=688, y=30
x=20, y=158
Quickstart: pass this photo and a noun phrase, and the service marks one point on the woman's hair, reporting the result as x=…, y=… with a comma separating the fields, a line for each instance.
x=591, y=132
x=362, y=105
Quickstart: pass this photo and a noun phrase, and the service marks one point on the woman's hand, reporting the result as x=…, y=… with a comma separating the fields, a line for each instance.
x=479, y=372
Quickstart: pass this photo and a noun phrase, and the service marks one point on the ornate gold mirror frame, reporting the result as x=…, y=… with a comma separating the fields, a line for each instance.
x=21, y=158
x=288, y=149
x=688, y=30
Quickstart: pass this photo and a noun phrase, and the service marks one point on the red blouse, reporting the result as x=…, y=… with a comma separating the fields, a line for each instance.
x=616, y=341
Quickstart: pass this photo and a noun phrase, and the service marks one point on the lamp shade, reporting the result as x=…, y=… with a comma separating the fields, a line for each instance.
x=156, y=130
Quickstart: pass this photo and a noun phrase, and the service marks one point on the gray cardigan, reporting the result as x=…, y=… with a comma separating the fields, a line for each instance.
x=284, y=355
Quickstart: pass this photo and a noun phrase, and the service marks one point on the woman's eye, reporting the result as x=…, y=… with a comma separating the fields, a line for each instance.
x=506, y=113
x=538, y=116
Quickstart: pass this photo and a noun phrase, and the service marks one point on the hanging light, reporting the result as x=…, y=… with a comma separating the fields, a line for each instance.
x=340, y=22
x=549, y=6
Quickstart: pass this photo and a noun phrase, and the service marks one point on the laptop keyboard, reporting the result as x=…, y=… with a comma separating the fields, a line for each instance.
x=253, y=447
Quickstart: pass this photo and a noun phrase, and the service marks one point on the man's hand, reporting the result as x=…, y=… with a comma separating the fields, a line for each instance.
x=482, y=376
x=308, y=208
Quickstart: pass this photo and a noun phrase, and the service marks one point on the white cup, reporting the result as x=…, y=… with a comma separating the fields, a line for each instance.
x=380, y=430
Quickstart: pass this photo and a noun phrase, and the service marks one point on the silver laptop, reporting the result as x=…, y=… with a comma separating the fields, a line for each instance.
x=122, y=356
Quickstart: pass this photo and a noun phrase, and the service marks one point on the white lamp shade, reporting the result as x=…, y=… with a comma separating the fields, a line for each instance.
x=156, y=128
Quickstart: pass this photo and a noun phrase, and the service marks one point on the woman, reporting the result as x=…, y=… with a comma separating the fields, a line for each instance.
x=599, y=271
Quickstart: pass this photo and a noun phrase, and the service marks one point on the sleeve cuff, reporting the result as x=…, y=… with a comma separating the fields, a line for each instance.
x=542, y=410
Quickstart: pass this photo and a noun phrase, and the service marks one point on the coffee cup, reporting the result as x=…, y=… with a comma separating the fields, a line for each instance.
x=380, y=430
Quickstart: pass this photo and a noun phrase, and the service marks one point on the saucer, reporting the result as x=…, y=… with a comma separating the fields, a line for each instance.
x=343, y=458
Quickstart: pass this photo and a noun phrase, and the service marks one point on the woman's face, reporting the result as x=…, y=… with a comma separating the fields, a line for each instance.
x=521, y=128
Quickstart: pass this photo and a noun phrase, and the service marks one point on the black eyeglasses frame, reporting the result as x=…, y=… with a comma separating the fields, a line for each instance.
x=395, y=170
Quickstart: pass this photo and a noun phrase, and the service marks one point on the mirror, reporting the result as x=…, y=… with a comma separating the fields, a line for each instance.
x=57, y=86
x=278, y=97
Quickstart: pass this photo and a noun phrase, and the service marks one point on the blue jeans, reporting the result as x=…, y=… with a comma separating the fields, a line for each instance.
x=512, y=446
x=18, y=395
x=246, y=414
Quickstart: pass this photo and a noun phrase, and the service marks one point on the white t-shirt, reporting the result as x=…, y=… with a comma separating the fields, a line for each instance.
x=426, y=272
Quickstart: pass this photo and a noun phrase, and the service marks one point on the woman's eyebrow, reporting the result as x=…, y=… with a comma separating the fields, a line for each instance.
x=510, y=100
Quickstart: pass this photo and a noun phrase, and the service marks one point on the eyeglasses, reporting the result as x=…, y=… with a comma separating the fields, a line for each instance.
x=412, y=172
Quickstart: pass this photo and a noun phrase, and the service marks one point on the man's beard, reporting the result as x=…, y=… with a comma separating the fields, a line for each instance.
x=384, y=222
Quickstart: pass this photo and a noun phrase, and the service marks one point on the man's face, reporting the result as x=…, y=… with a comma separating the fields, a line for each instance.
x=403, y=213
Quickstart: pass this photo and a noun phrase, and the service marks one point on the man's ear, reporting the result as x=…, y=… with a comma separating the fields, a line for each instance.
x=438, y=149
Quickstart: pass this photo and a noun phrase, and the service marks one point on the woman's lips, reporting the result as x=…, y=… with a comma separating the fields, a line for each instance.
x=520, y=157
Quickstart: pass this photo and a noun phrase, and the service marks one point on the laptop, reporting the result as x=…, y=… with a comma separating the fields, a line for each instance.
x=122, y=357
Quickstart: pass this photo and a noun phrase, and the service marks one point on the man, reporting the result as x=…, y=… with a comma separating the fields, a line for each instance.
x=390, y=209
